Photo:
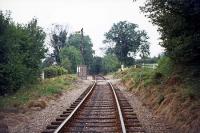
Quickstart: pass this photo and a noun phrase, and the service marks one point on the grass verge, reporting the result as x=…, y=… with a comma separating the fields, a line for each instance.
x=48, y=87
x=166, y=94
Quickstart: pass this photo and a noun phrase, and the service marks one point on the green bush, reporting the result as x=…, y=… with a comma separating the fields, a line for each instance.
x=157, y=77
x=165, y=66
x=21, y=51
x=139, y=75
x=53, y=71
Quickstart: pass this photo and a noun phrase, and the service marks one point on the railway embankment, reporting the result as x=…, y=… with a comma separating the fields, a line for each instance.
x=168, y=98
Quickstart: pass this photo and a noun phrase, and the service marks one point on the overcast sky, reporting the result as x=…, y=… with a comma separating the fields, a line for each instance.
x=95, y=16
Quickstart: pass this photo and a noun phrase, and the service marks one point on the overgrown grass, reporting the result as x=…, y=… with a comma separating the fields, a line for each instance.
x=166, y=74
x=167, y=90
x=48, y=87
x=138, y=76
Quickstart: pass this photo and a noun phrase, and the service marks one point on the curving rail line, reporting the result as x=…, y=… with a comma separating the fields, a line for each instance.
x=101, y=108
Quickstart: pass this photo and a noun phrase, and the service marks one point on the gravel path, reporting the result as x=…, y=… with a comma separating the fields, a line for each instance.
x=151, y=122
x=36, y=121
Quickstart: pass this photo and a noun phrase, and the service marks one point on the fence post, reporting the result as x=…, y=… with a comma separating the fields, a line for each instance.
x=122, y=67
x=42, y=75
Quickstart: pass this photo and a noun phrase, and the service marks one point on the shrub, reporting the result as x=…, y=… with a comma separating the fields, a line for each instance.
x=157, y=77
x=165, y=66
x=21, y=51
x=53, y=71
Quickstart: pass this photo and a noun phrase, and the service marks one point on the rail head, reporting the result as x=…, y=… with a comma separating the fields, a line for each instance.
x=119, y=110
x=73, y=112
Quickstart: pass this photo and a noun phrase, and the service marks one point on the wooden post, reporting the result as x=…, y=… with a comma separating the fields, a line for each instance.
x=42, y=75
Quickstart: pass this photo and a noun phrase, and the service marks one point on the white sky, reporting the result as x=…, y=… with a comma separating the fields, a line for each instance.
x=95, y=16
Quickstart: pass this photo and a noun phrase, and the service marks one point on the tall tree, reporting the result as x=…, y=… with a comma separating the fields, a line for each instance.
x=71, y=57
x=58, y=38
x=127, y=40
x=144, y=47
x=178, y=23
x=75, y=40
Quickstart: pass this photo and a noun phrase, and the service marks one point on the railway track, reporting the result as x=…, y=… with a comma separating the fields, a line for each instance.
x=101, y=108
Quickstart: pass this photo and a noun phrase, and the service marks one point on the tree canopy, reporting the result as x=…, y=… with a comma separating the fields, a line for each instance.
x=70, y=57
x=178, y=23
x=128, y=41
x=110, y=63
x=58, y=38
x=75, y=40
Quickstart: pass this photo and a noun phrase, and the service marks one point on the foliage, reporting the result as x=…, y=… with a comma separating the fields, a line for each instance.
x=165, y=66
x=96, y=66
x=178, y=23
x=110, y=63
x=48, y=61
x=21, y=51
x=71, y=57
x=148, y=60
x=144, y=46
x=106, y=64
x=128, y=41
x=48, y=87
x=67, y=51
x=58, y=38
x=75, y=40
x=53, y=71
x=65, y=63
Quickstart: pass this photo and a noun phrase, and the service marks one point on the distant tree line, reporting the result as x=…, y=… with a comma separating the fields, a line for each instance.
x=66, y=49
x=24, y=57
x=108, y=63
x=127, y=42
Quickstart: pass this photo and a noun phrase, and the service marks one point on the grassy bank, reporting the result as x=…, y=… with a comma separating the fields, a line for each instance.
x=46, y=88
x=166, y=94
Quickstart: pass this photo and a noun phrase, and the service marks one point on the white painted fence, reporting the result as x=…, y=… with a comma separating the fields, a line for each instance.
x=152, y=66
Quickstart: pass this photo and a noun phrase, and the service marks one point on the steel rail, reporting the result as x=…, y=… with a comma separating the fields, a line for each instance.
x=119, y=110
x=73, y=112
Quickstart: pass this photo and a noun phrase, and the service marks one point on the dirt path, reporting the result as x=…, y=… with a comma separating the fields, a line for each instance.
x=36, y=121
x=151, y=122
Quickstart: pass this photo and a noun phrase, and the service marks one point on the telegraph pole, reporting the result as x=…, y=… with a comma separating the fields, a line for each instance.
x=82, y=68
x=81, y=45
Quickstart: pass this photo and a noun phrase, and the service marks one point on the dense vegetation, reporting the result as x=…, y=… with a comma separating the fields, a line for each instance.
x=49, y=88
x=54, y=71
x=172, y=90
x=165, y=93
x=21, y=51
x=178, y=23
x=67, y=51
x=108, y=63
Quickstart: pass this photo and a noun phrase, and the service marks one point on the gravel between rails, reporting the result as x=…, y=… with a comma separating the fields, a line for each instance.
x=36, y=121
x=151, y=123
